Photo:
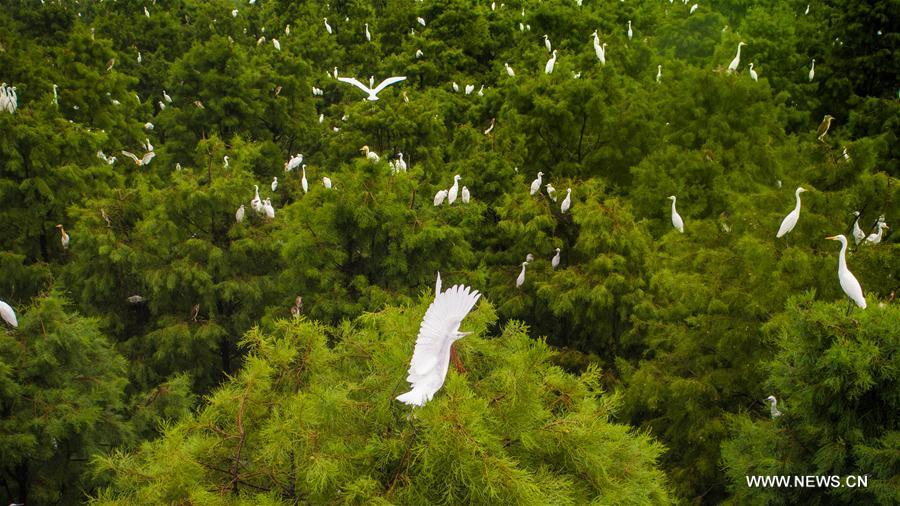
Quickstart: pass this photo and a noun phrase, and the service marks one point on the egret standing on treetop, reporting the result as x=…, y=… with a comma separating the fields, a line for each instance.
x=327, y=26
x=773, y=410
x=439, y=197
x=630, y=33
x=554, y=263
x=274, y=183
x=536, y=184
x=548, y=69
x=677, y=222
x=63, y=236
x=373, y=92
x=303, y=183
x=753, y=74
x=521, y=279
x=547, y=43
x=812, y=70
x=454, y=190
x=791, y=219
x=368, y=35
x=858, y=234
x=567, y=202
x=465, y=195
x=239, y=215
x=875, y=238
x=737, y=58
x=256, y=203
x=658, y=73
x=848, y=281
x=326, y=181
x=439, y=329
x=8, y=314
x=509, y=70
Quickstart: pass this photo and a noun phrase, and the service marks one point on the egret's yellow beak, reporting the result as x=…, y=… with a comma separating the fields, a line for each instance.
x=833, y=238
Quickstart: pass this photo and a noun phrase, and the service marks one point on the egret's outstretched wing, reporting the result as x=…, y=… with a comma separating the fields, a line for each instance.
x=441, y=321
x=387, y=82
x=354, y=82
x=147, y=157
x=131, y=155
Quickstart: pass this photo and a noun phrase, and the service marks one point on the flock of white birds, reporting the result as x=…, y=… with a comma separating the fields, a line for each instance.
x=440, y=325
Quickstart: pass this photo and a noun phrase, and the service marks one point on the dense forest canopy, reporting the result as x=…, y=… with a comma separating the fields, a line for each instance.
x=203, y=316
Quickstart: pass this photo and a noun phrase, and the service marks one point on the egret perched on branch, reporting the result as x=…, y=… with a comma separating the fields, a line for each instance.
x=439, y=330
x=509, y=71
x=548, y=68
x=630, y=33
x=371, y=155
x=303, y=182
x=567, y=202
x=848, y=281
x=822, y=131
x=326, y=181
x=373, y=92
x=368, y=35
x=790, y=221
x=812, y=70
x=256, y=203
x=677, y=222
x=658, y=73
x=737, y=58
x=267, y=207
x=555, y=261
x=753, y=74
x=536, y=184
x=274, y=183
x=465, y=195
x=876, y=237
x=521, y=279
x=454, y=190
x=8, y=314
x=327, y=26
x=439, y=197
x=772, y=406
x=63, y=236
x=547, y=43
x=239, y=215
x=551, y=191
x=858, y=234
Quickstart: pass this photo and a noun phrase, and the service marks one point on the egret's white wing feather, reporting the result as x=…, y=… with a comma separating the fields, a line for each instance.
x=8, y=314
x=354, y=82
x=441, y=321
x=131, y=155
x=387, y=82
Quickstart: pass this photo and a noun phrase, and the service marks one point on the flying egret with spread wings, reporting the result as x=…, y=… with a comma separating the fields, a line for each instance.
x=373, y=92
x=439, y=330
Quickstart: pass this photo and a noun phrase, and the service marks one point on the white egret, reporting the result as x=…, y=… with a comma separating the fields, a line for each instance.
x=274, y=183
x=276, y=44
x=481, y=91
x=321, y=118
x=371, y=155
x=368, y=35
x=858, y=233
x=490, y=127
x=327, y=26
x=303, y=183
x=455, y=86
x=454, y=190
x=135, y=299
x=848, y=281
x=239, y=215
x=148, y=126
x=146, y=12
x=773, y=409
x=536, y=184
x=469, y=89
x=372, y=92
x=737, y=58
x=551, y=191
x=326, y=181
x=822, y=131
x=140, y=162
x=401, y=163
x=875, y=238
x=658, y=73
x=521, y=279
x=567, y=202
x=554, y=263
x=547, y=43
x=139, y=58
x=807, y=10
x=677, y=222
x=419, y=53
x=439, y=197
x=439, y=329
x=548, y=68
x=753, y=74
x=630, y=32
x=693, y=8
x=509, y=71
x=790, y=221
x=63, y=236
x=234, y=13
x=529, y=258
x=8, y=314
x=55, y=95
x=256, y=203
x=420, y=20
x=812, y=70
x=465, y=195
x=225, y=161
x=166, y=97
x=267, y=207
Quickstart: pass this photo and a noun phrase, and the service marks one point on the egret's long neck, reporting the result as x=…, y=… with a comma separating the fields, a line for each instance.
x=797, y=208
x=842, y=257
x=673, y=205
x=739, y=51
x=880, y=231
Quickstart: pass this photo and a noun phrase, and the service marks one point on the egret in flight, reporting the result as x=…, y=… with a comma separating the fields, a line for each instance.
x=8, y=314
x=439, y=330
x=790, y=221
x=372, y=92
x=536, y=184
x=737, y=58
x=773, y=409
x=677, y=222
x=848, y=281
x=140, y=162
